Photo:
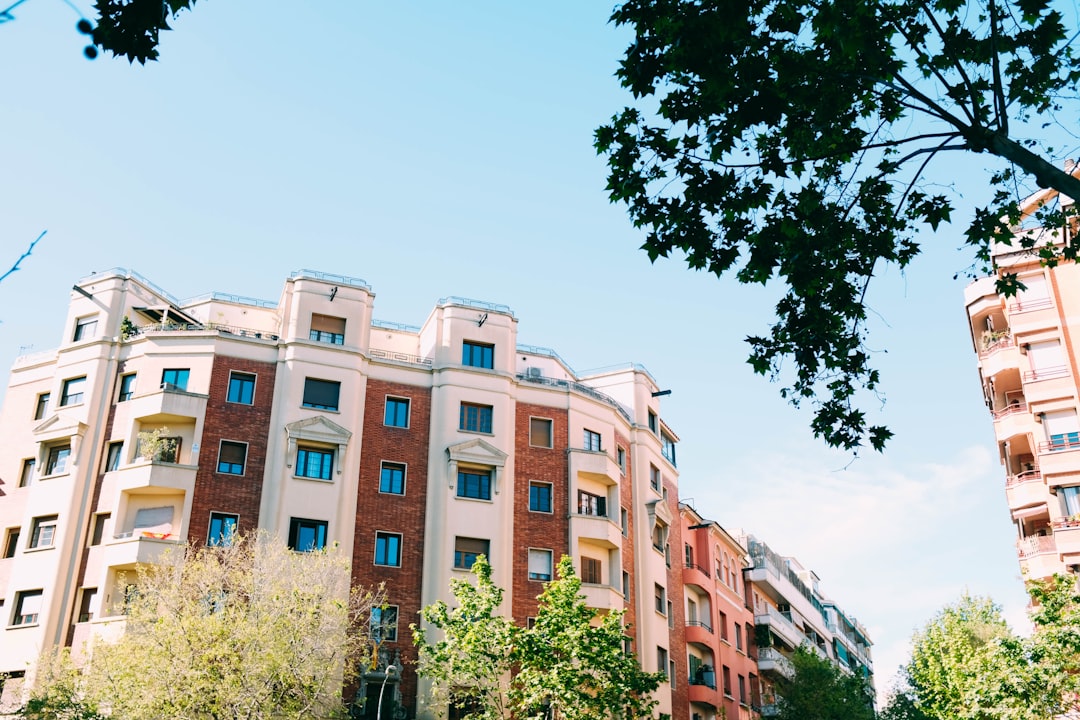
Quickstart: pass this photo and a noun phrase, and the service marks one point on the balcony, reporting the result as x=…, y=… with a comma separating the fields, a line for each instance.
x=167, y=406
x=771, y=661
x=699, y=632
x=596, y=530
x=1025, y=490
x=704, y=694
x=1039, y=556
x=999, y=355
x=1012, y=420
x=696, y=575
x=150, y=478
x=782, y=627
x=770, y=710
x=594, y=465
x=1047, y=384
x=133, y=550
x=602, y=597
x=1067, y=537
x=1027, y=316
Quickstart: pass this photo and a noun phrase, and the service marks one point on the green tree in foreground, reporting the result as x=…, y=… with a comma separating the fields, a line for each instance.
x=797, y=141
x=819, y=690
x=250, y=630
x=966, y=664
x=564, y=667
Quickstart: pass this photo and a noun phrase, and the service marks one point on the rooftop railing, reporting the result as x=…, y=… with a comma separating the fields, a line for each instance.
x=578, y=387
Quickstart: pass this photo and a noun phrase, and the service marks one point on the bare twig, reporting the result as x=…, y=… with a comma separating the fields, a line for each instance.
x=25, y=255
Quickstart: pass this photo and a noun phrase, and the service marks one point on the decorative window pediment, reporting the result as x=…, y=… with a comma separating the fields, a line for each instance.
x=476, y=453
x=658, y=509
x=59, y=427
x=319, y=430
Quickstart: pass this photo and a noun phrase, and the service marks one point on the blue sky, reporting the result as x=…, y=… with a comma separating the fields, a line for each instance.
x=439, y=149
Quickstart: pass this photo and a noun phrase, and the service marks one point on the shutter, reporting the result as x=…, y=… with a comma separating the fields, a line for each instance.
x=322, y=393
x=1046, y=357
x=31, y=604
x=157, y=519
x=1036, y=289
x=328, y=323
x=233, y=453
x=539, y=563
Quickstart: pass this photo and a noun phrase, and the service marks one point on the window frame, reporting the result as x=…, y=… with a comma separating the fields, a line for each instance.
x=533, y=422
x=655, y=479
x=327, y=336
x=229, y=524
x=392, y=466
x=541, y=485
x=592, y=570
x=384, y=538
x=87, y=323
x=97, y=528
x=397, y=403
x=296, y=525
x=550, y=558
x=591, y=504
x=478, y=354
x=244, y=383
x=38, y=526
x=181, y=377
x=462, y=554
x=476, y=418
x=68, y=398
x=41, y=406
x=55, y=464
x=114, y=455
x=26, y=472
x=11, y=541
x=231, y=471
x=303, y=462
x=592, y=441
x=660, y=596
x=379, y=623
x=483, y=490
x=310, y=386
x=20, y=618
x=126, y=387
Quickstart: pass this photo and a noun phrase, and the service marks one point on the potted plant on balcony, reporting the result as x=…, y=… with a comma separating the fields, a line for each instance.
x=992, y=337
x=157, y=446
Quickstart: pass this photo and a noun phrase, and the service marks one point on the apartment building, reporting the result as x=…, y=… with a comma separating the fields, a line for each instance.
x=158, y=422
x=790, y=611
x=1028, y=372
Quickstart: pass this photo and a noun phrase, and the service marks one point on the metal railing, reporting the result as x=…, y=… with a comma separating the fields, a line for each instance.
x=544, y=352
x=171, y=327
x=229, y=297
x=1046, y=373
x=478, y=304
x=1029, y=305
x=704, y=571
x=583, y=389
x=331, y=277
x=1026, y=476
x=1035, y=545
x=387, y=325
x=700, y=624
x=992, y=346
x=1067, y=441
x=399, y=357
x=1018, y=407
x=783, y=664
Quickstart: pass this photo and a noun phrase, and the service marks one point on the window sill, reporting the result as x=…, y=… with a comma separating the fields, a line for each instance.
x=321, y=409
x=393, y=494
x=328, y=481
x=43, y=548
x=228, y=474
x=542, y=512
x=472, y=499
x=396, y=427
x=53, y=477
x=24, y=625
x=382, y=565
x=476, y=432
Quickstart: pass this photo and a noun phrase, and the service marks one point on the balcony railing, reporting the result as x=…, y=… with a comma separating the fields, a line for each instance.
x=399, y=356
x=170, y=327
x=703, y=571
x=1017, y=407
x=1023, y=477
x=1046, y=373
x=1035, y=545
x=992, y=345
x=700, y=624
x=1066, y=441
x=1029, y=305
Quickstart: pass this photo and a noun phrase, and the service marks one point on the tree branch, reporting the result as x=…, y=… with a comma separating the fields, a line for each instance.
x=25, y=255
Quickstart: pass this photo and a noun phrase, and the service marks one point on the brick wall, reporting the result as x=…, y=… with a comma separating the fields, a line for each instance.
x=680, y=698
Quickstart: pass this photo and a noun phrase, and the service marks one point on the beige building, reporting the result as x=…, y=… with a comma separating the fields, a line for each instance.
x=1027, y=356
x=158, y=422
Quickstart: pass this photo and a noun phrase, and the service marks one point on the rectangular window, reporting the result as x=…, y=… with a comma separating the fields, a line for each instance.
x=99, y=528
x=592, y=440
x=626, y=586
x=540, y=497
x=232, y=456
x=127, y=387
x=327, y=329
x=388, y=549
x=72, y=392
x=738, y=636
x=27, y=607
x=397, y=412
x=11, y=541
x=321, y=394
x=723, y=625
x=42, y=406
x=56, y=463
x=660, y=595
x=466, y=550
x=591, y=571
x=1070, y=495
x=727, y=681
x=88, y=605
x=43, y=531
x=307, y=535
x=384, y=621
x=85, y=328
x=540, y=565
x=670, y=616
x=474, y=484
x=742, y=689
x=314, y=463
x=392, y=478
x=589, y=504
x=241, y=388
x=175, y=378
x=654, y=478
x=478, y=355
x=620, y=457
x=116, y=454
x=654, y=423
x=661, y=660
x=624, y=522
x=475, y=418
x=26, y=476
x=667, y=447
x=222, y=528
x=540, y=434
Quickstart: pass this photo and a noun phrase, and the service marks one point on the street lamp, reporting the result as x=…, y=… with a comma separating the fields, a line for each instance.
x=386, y=676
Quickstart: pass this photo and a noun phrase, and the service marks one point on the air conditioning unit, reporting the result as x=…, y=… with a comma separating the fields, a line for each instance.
x=534, y=373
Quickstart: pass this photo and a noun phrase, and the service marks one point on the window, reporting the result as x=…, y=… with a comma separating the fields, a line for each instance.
x=626, y=586
x=11, y=541
x=661, y=598
x=466, y=550
x=591, y=571
x=670, y=615
x=175, y=379
x=307, y=535
x=88, y=605
x=475, y=418
x=654, y=478
x=85, y=328
x=314, y=463
x=231, y=457
x=27, y=607
x=43, y=531
x=384, y=623
x=654, y=424
x=727, y=681
x=222, y=529
x=1071, y=496
x=540, y=497
x=392, y=478
x=321, y=394
x=620, y=457
x=540, y=565
x=742, y=689
x=738, y=636
x=127, y=387
x=56, y=463
x=388, y=549
x=477, y=355
x=474, y=484
x=397, y=412
x=661, y=660
x=723, y=625
x=624, y=522
x=589, y=504
x=327, y=329
x=26, y=476
x=667, y=447
x=592, y=440
x=42, y=406
x=540, y=434
x=659, y=536
x=72, y=392
x=241, y=388
x=99, y=528
x=116, y=454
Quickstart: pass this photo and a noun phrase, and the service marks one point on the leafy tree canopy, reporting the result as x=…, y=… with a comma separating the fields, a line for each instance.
x=132, y=28
x=792, y=140
x=570, y=665
x=819, y=690
x=250, y=630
